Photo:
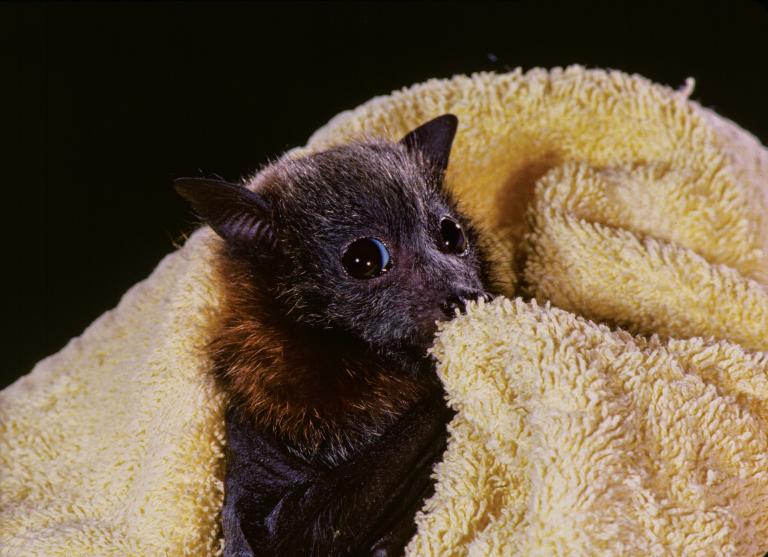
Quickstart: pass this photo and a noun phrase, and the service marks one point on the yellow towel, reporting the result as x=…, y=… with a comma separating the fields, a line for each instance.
x=615, y=199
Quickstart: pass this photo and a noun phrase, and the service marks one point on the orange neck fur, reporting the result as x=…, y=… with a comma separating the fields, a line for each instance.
x=317, y=391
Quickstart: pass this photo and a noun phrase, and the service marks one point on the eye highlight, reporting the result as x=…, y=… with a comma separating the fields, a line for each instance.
x=366, y=258
x=452, y=238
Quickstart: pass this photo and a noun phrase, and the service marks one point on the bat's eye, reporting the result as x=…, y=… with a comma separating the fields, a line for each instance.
x=452, y=239
x=366, y=258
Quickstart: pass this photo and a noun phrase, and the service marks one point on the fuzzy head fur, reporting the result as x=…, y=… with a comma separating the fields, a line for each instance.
x=321, y=352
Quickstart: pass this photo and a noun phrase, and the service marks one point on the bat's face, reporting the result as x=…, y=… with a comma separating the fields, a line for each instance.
x=360, y=238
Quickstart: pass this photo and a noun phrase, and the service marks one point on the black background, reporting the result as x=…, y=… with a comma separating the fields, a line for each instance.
x=103, y=104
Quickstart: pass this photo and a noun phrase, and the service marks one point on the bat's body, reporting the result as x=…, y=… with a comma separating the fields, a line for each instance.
x=278, y=504
x=335, y=268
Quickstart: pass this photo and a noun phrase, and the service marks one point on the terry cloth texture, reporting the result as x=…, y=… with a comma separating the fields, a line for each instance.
x=622, y=412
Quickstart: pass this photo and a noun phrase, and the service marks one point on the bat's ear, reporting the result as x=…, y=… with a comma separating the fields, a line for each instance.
x=433, y=140
x=235, y=213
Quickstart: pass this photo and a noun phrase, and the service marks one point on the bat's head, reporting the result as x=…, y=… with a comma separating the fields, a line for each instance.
x=361, y=238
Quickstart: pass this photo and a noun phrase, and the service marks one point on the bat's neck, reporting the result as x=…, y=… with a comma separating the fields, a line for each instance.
x=322, y=393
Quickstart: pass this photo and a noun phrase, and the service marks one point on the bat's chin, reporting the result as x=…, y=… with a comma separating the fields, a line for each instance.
x=409, y=348
x=419, y=340
x=424, y=336
x=412, y=358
